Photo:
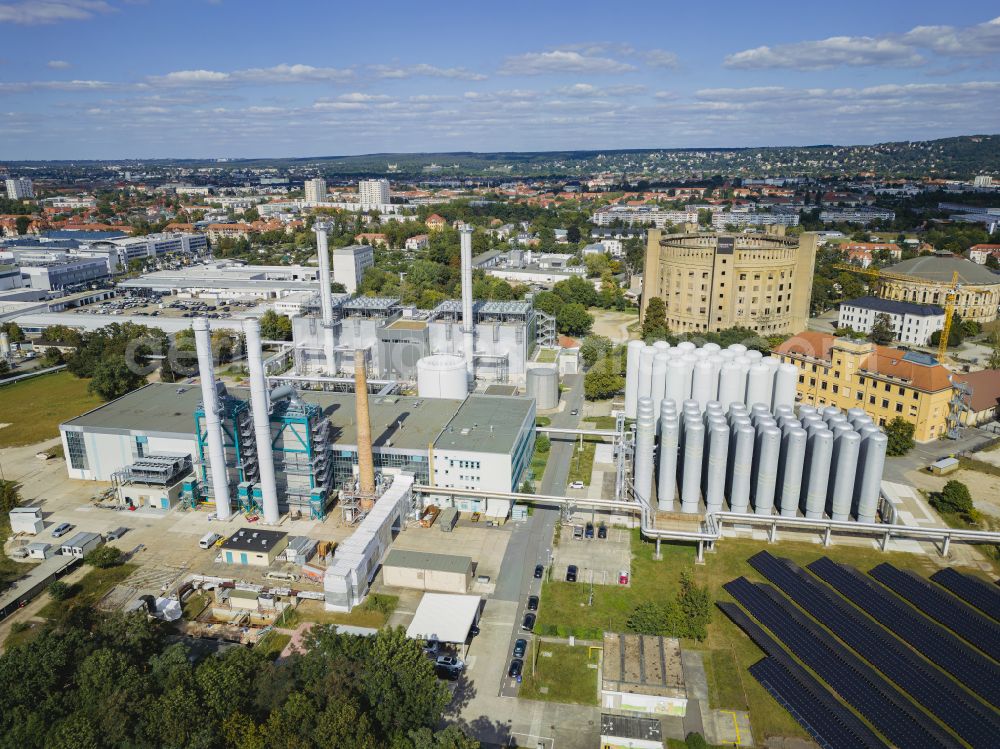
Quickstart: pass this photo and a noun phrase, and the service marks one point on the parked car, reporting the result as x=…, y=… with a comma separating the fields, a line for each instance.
x=602, y=531
x=115, y=534
x=571, y=573
x=589, y=533
x=532, y=603
x=623, y=577
x=432, y=647
x=529, y=622
x=539, y=571
x=520, y=646
x=449, y=661
x=514, y=671
x=451, y=674
x=474, y=630
x=61, y=530
x=575, y=412
x=577, y=485
x=577, y=531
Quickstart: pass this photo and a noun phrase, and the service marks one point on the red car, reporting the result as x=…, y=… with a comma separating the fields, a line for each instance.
x=623, y=578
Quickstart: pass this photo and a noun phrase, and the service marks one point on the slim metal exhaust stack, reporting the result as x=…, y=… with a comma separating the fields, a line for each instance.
x=213, y=421
x=366, y=461
x=261, y=420
x=468, y=331
x=325, y=296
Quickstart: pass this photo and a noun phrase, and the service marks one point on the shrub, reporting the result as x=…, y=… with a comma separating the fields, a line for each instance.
x=104, y=557
x=955, y=498
x=695, y=741
x=59, y=590
x=900, y=434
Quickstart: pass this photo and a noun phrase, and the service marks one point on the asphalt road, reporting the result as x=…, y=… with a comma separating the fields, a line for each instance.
x=531, y=542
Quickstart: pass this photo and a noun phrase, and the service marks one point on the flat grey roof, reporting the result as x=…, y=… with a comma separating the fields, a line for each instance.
x=486, y=423
x=408, y=423
x=250, y=539
x=425, y=560
x=36, y=575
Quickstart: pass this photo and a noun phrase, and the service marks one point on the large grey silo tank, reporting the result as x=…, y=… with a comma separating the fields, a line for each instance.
x=701, y=383
x=769, y=445
x=542, y=384
x=843, y=474
x=642, y=479
x=658, y=382
x=633, y=352
x=667, y=485
x=718, y=456
x=732, y=384
x=816, y=473
x=742, y=463
x=868, y=481
x=694, y=447
x=645, y=378
x=793, y=453
x=759, y=385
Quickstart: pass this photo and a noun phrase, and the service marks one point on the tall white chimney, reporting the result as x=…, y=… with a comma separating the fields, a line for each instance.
x=325, y=296
x=261, y=420
x=213, y=422
x=468, y=331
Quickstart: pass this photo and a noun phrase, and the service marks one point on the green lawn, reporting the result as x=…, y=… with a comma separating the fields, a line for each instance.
x=582, y=463
x=273, y=643
x=727, y=651
x=547, y=356
x=601, y=422
x=19, y=635
x=374, y=613
x=34, y=408
x=89, y=590
x=566, y=674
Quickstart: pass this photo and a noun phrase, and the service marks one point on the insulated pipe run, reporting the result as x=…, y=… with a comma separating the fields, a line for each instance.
x=213, y=421
x=261, y=421
x=325, y=297
x=468, y=331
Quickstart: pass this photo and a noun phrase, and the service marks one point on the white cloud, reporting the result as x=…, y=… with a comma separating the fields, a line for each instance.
x=283, y=73
x=588, y=90
x=855, y=51
x=30, y=86
x=661, y=58
x=562, y=61
x=58, y=64
x=890, y=50
x=425, y=70
x=32, y=12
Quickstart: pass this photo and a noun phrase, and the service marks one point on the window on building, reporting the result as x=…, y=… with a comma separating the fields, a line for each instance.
x=812, y=382
x=822, y=385
x=835, y=389
x=871, y=399
x=899, y=408
x=77, y=451
x=885, y=403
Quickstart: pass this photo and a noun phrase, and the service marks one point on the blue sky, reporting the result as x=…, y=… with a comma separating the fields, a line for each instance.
x=240, y=78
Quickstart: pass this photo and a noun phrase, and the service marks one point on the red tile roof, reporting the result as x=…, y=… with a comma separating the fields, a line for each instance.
x=985, y=386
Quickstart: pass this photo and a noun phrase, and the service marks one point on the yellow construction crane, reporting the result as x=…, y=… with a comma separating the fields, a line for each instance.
x=949, y=301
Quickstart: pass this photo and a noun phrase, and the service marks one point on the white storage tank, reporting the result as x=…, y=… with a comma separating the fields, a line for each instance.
x=542, y=384
x=442, y=376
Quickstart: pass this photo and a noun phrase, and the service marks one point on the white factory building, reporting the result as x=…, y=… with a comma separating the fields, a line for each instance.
x=350, y=264
x=495, y=339
x=225, y=281
x=911, y=322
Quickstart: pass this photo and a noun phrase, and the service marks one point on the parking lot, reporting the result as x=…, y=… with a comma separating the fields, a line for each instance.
x=598, y=560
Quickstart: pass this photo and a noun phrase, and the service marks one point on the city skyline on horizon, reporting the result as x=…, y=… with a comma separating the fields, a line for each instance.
x=214, y=82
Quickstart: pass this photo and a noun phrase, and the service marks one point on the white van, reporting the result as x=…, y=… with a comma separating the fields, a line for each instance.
x=209, y=540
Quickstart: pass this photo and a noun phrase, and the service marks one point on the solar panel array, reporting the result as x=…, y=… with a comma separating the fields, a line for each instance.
x=972, y=590
x=977, y=672
x=857, y=683
x=831, y=724
x=943, y=607
x=974, y=721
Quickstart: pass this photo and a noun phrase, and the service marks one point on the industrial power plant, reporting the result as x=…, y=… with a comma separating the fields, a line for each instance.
x=719, y=428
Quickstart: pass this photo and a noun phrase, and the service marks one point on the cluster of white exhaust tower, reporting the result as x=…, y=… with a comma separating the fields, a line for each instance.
x=728, y=433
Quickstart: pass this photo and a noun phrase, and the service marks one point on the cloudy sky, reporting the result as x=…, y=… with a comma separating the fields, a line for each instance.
x=233, y=78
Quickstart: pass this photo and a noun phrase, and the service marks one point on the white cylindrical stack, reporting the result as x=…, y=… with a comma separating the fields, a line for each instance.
x=261, y=421
x=633, y=351
x=213, y=420
x=645, y=434
x=793, y=455
x=718, y=455
x=739, y=495
x=785, y=382
x=694, y=447
x=759, y=385
x=769, y=449
x=666, y=488
x=868, y=481
x=817, y=472
x=658, y=380
x=701, y=383
x=844, y=473
x=645, y=380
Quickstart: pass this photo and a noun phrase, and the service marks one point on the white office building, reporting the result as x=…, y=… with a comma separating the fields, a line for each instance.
x=373, y=193
x=350, y=264
x=911, y=323
x=19, y=188
x=315, y=190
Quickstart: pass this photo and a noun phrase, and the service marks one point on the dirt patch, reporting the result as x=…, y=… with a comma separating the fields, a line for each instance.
x=984, y=488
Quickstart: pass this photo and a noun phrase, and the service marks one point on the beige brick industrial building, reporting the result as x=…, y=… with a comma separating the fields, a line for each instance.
x=927, y=280
x=712, y=281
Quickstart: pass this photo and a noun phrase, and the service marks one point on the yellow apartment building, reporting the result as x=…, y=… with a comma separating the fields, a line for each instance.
x=886, y=382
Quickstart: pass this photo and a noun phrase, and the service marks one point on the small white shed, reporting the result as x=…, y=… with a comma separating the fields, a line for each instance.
x=26, y=520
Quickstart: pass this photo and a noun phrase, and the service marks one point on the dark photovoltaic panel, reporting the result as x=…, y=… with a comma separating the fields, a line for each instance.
x=857, y=683
x=940, y=695
x=972, y=590
x=825, y=725
x=831, y=724
x=943, y=607
x=977, y=672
